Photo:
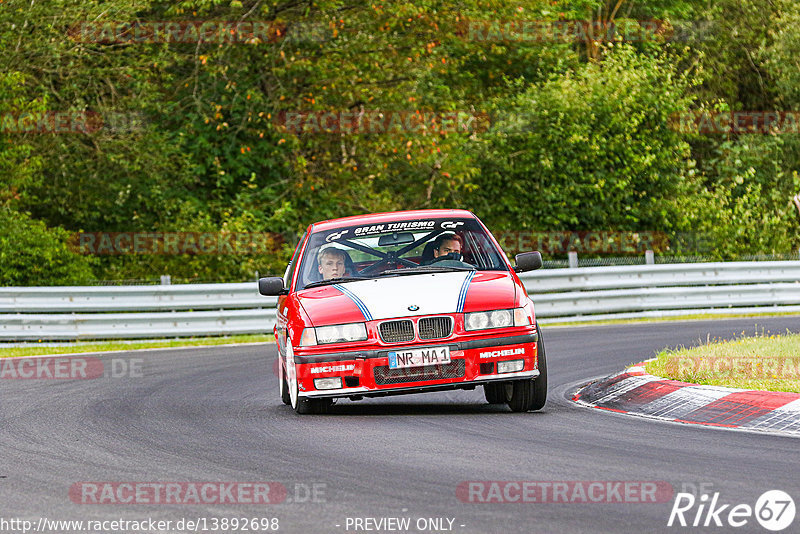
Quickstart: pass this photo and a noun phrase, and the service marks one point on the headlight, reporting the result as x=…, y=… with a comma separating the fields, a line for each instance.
x=496, y=319
x=500, y=318
x=490, y=319
x=476, y=321
x=339, y=333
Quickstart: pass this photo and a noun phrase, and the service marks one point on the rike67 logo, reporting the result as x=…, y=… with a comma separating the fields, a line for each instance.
x=774, y=510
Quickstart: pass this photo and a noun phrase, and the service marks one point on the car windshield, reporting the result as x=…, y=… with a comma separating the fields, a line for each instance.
x=396, y=249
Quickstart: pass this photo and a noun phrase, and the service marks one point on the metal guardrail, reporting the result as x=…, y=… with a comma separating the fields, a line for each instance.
x=34, y=327
x=71, y=313
x=132, y=298
x=577, y=294
x=664, y=275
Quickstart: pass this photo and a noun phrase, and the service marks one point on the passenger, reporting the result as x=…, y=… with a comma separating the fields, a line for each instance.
x=332, y=263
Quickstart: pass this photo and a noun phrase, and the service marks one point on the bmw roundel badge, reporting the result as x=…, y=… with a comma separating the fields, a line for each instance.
x=413, y=307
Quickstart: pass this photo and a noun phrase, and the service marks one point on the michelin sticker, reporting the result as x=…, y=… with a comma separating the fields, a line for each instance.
x=333, y=369
x=506, y=352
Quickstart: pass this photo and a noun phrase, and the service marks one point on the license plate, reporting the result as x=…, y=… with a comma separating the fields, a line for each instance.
x=419, y=357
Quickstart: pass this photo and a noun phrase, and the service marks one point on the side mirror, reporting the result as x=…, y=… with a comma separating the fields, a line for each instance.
x=527, y=261
x=271, y=286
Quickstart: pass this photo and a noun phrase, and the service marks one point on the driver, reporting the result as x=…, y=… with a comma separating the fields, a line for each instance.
x=332, y=263
x=447, y=244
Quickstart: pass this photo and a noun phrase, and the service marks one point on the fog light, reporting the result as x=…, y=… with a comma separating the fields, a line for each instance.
x=328, y=383
x=510, y=366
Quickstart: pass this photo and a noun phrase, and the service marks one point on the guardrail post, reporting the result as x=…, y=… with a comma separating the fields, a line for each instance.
x=166, y=280
x=573, y=259
x=649, y=257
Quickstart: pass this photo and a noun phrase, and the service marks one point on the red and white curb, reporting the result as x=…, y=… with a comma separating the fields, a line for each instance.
x=635, y=392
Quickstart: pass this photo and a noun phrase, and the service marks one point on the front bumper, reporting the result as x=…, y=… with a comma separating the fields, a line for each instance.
x=366, y=373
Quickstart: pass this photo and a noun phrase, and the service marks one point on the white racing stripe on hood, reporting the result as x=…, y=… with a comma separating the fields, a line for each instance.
x=390, y=297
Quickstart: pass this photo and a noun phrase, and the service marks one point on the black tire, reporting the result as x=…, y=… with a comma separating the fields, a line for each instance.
x=285, y=398
x=313, y=406
x=540, y=384
x=526, y=395
x=495, y=392
x=520, y=395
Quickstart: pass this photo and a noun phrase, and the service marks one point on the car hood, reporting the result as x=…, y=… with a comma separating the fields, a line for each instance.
x=410, y=295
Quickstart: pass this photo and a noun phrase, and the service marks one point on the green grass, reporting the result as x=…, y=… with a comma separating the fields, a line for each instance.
x=767, y=363
x=111, y=346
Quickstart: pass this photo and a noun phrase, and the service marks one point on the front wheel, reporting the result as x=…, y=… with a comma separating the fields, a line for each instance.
x=495, y=392
x=526, y=395
x=313, y=406
x=301, y=405
x=540, y=384
x=520, y=395
x=284, y=387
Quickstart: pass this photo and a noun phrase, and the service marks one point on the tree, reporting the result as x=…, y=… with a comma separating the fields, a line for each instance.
x=592, y=150
x=32, y=254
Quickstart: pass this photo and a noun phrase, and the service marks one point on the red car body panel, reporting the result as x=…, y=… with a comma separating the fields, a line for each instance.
x=327, y=305
x=492, y=290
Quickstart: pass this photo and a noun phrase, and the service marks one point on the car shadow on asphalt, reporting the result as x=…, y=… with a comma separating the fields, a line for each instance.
x=415, y=409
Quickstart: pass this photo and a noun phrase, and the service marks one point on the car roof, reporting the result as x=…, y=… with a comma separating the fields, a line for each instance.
x=378, y=218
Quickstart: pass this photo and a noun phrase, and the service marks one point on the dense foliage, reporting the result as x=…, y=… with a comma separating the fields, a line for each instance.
x=580, y=135
x=31, y=253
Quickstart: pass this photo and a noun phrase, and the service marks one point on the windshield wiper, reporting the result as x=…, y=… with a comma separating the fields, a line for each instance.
x=422, y=269
x=335, y=281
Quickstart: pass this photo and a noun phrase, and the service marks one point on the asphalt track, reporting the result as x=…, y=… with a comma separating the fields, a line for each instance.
x=214, y=415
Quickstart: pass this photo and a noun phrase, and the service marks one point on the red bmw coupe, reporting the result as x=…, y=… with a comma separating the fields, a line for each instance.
x=405, y=302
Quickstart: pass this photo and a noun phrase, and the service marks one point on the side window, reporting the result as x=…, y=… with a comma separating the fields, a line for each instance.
x=287, y=276
x=479, y=250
